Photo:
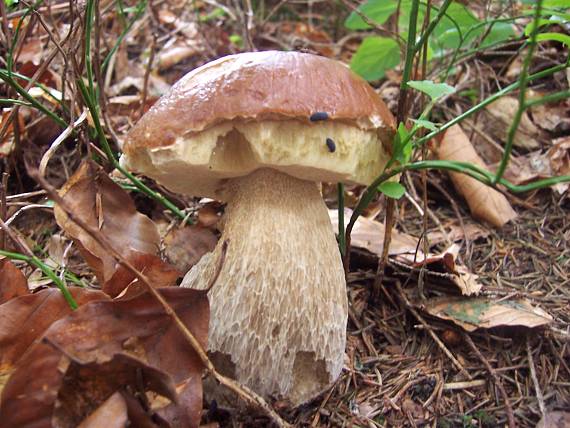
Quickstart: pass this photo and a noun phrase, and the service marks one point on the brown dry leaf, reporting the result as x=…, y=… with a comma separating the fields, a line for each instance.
x=483, y=312
x=484, y=202
x=559, y=157
x=7, y=144
x=555, y=419
x=111, y=414
x=537, y=165
x=552, y=117
x=185, y=246
x=85, y=386
x=454, y=232
x=467, y=282
x=159, y=273
x=177, y=52
x=498, y=119
x=369, y=234
x=13, y=283
x=25, y=318
x=101, y=348
x=209, y=214
x=101, y=203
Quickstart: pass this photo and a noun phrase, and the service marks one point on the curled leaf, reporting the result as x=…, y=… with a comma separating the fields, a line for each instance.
x=101, y=203
x=484, y=202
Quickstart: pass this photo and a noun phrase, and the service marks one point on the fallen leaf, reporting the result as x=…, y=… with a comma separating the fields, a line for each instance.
x=369, y=234
x=159, y=273
x=13, y=283
x=185, y=246
x=552, y=117
x=445, y=264
x=111, y=414
x=484, y=202
x=538, y=165
x=176, y=53
x=24, y=319
x=483, y=312
x=102, y=204
x=559, y=157
x=85, y=387
x=498, y=118
x=209, y=214
x=106, y=346
x=455, y=232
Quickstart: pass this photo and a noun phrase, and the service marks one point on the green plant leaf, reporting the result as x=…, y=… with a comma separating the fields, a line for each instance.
x=374, y=56
x=434, y=90
x=559, y=37
x=392, y=189
x=377, y=10
x=556, y=3
x=425, y=124
x=402, y=148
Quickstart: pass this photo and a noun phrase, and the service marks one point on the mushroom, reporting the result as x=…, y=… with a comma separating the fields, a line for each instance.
x=260, y=131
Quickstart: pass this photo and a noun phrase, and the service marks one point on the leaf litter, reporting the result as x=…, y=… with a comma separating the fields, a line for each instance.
x=394, y=372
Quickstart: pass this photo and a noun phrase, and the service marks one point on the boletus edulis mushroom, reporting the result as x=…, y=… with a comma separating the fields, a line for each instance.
x=260, y=131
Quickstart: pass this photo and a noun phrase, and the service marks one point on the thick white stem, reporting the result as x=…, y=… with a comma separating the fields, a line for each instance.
x=279, y=307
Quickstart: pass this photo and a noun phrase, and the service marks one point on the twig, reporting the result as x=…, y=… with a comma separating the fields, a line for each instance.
x=241, y=390
x=3, y=207
x=60, y=139
x=383, y=260
x=537, y=389
x=496, y=381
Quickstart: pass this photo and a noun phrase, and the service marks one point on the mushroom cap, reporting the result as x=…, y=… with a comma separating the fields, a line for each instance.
x=253, y=110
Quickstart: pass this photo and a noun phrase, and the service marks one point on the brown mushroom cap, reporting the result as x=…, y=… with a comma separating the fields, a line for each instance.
x=220, y=121
x=269, y=85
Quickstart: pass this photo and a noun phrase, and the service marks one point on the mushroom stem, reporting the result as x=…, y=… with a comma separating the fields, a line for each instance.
x=279, y=307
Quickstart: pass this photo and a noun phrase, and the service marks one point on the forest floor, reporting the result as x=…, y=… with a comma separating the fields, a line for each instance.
x=407, y=363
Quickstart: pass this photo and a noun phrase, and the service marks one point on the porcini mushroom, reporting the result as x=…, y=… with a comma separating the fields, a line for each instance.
x=259, y=131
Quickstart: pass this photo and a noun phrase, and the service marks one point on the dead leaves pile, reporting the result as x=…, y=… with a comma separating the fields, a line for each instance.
x=118, y=359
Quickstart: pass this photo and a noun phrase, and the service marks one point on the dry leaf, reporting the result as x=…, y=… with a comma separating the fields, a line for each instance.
x=13, y=283
x=499, y=117
x=369, y=234
x=483, y=312
x=552, y=117
x=159, y=273
x=105, y=346
x=537, y=165
x=467, y=282
x=185, y=246
x=25, y=318
x=102, y=204
x=454, y=232
x=111, y=414
x=484, y=202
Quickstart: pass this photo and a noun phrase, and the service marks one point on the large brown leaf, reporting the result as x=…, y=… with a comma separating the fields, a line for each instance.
x=101, y=203
x=97, y=350
x=484, y=202
x=24, y=319
x=13, y=283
